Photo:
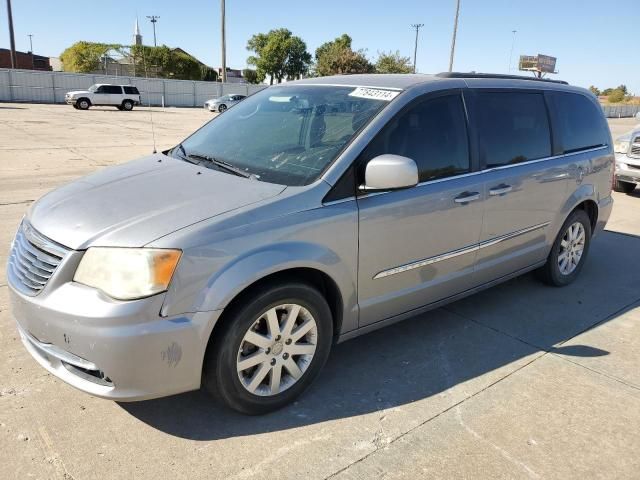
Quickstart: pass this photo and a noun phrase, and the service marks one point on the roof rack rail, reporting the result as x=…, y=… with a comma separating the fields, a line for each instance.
x=498, y=76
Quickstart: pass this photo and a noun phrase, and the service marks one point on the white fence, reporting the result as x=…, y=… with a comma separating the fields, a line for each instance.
x=620, y=111
x=50, y=87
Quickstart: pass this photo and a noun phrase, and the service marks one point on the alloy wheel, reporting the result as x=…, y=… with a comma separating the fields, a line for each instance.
x=571, y=248
x=277, y=349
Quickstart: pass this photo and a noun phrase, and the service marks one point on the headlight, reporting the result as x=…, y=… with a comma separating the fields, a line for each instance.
x=621, y=146
x=127, y=273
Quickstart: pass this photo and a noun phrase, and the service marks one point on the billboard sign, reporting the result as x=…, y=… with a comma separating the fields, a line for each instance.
x=537, y=63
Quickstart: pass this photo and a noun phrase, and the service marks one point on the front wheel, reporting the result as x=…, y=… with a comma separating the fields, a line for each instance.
x=271, y=348
x=569, y=251
x=83, y=104
x=222, y=108
x=624, y=187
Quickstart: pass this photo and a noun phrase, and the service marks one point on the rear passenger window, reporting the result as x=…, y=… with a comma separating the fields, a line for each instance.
x=580, y=122
x=131, y=90
x=513, y=127
x=433, y=133
x=113, y=89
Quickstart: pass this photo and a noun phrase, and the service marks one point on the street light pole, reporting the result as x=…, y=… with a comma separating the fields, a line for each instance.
x=513, y=42
x=154, y=19
x=224, y=46
x=33, y=63
x=417, y=26
x=453, y=39
x=12, y=40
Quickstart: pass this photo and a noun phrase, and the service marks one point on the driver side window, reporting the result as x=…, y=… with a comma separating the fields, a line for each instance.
x=433, y=133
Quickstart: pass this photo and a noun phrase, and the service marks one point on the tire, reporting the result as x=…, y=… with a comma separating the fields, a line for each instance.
x=127, y=105
x=120, y=107
x=222, y=108
x=553, y=272
x=83, y=104
x=75, y=106
x=624, y=187
x=251, y=390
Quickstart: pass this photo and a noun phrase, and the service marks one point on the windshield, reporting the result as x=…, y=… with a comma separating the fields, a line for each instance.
x=287, y=135
x=93, y=88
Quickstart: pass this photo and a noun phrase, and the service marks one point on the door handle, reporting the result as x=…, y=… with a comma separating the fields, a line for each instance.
x=466, y=197
x=500, y=189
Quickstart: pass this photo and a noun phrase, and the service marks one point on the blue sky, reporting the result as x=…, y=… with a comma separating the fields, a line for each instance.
x=593, y=40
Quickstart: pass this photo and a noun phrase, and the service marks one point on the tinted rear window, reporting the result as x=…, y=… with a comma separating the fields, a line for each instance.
x=513, y=127
x=131, y=90
x=580, y=122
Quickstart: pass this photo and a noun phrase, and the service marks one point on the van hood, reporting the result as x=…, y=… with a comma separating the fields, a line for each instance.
x=133, y=204
x=79, y=92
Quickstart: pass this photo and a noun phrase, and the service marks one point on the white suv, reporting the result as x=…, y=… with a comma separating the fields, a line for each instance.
x=123, y=97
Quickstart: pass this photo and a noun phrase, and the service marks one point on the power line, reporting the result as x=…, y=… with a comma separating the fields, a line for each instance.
x=417, y=26
x=455, y=33
x=154, y=19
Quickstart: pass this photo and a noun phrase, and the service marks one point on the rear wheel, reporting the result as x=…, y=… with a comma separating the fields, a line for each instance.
x=127, y=105
x=569, y=250
x=83, y=103
x=624, y=187
x=271, y=348
x=222, y=108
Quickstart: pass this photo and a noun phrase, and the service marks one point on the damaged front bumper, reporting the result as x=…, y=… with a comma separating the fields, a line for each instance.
x=122, y=351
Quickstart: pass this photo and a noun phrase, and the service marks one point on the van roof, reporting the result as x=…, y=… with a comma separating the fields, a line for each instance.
x=396, y=81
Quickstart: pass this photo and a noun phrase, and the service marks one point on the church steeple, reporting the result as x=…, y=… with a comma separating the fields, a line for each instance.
x=137, y=37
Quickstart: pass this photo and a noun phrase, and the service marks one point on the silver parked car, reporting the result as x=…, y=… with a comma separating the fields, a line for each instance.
x=309, y=214
x=627, y=149
x=222, y=103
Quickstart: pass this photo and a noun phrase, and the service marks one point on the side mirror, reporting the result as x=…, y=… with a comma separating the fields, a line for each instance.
x=390, y=172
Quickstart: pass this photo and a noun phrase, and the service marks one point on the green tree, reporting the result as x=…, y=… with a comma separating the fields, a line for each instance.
x=595, y=90
x=169, y=63
x=337, y=57
x=251, y=76
x=607, y=91
x=623, y=89
x=279, y=54
x=208, y=74
x=616, y=96
x=393, y=62
x=85, y=57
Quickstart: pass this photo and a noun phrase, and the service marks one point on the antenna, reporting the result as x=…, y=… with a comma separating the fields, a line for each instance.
x=153, y=132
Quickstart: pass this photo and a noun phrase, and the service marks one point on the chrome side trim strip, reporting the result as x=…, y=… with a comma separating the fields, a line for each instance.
x=460, y=251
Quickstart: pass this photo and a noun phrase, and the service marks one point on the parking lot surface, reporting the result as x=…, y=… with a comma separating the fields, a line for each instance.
x=520, y=381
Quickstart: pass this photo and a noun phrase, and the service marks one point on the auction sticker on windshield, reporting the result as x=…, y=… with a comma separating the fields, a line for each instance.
x=374, y=93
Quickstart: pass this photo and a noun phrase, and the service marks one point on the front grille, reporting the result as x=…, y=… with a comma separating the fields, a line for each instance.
x=33, y=260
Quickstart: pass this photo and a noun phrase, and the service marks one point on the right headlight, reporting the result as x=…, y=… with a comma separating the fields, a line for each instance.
x=127, y=273
x=621, y=146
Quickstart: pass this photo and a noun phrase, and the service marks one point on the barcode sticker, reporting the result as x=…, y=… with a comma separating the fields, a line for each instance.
x=374, y=93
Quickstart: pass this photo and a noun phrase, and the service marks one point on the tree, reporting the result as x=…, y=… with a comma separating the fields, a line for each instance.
x=337, y=57
x=251, y=76
x=169, y=63
x=595, y=90
x=393, y=62
x=85, y=57
x=623, y=89
x=278, y=54
x=607, y=91
x=616, y=96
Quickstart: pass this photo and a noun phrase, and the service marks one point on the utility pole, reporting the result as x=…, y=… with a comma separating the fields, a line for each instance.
x=224, y=46
x=154, y=19
x=513, y=42
x=455, y=33
x=33, y=63
x=417, y=26
x=12, y=40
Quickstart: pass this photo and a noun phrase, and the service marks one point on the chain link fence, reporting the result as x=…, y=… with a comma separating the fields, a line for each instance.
x=50, y=87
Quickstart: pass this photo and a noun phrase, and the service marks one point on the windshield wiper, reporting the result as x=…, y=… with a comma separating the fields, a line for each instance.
x=220, y=163
x=183, y=154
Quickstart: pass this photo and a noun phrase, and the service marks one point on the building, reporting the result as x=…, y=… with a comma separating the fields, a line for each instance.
x=137, y=36
x=25, y=60
x=233, y=75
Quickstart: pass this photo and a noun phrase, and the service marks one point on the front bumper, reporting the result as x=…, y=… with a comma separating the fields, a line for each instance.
x=70, y=101
x=627, y=169
x=122, y=351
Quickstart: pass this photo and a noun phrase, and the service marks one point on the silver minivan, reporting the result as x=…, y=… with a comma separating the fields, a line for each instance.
x=308, y=214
